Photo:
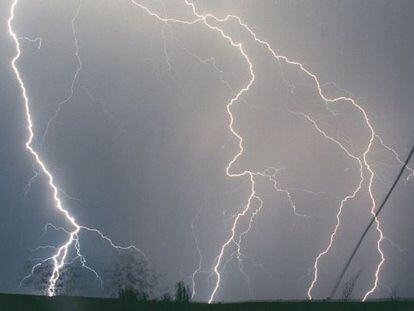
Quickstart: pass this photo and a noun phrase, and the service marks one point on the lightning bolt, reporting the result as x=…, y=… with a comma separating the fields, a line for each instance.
x=397, y=157
x=345, y=200
x=251, y=174
x=212, y=22
x=37, y=40
x=75, y=76
x=395, y=245
x=364, y=157
x=59, y=259
x=362, y=160
x=270, y=173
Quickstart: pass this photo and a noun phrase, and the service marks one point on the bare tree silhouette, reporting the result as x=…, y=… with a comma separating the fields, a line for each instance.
x=131, y=278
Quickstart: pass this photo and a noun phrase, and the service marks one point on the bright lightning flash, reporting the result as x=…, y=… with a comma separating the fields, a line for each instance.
x=366, y=173
x=59, y=259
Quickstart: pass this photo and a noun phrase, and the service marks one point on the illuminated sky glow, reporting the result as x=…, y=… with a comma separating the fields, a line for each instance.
x=242, y=164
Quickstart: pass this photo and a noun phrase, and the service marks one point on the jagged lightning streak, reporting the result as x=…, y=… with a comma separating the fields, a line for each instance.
x=37, y=40
x=239, y=94
x=253, y=196
x=74, y=79
x=345, y=200
x=395, y=245
x=59, y=258
x=279, y=58
x=397, y=157
x=251, y=174
x=65, y=100
x=255, y=212
x=377, y=137
x=333, y=100
x=238, y=253
x=366, y=164
x=270, y=173
x=247, y=173
x=363, y=160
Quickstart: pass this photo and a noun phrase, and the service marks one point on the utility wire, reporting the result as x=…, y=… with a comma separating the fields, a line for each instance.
x=348, y=263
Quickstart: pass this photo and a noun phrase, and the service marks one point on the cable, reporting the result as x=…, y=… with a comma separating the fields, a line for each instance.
x=338, y=282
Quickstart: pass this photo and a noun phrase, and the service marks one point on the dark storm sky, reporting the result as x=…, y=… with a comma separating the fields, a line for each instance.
x=143, y=144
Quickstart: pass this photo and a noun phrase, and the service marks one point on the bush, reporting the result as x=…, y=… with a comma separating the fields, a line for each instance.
x=182, y=292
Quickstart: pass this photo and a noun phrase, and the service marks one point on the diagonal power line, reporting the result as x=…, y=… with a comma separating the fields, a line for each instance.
x=348, y=263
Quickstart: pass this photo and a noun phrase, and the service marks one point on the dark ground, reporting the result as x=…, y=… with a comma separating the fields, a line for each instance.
x=28, y=303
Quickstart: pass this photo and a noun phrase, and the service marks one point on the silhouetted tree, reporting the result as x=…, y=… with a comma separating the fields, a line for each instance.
x=349, y=286
x=182, y=292
x=130, y=277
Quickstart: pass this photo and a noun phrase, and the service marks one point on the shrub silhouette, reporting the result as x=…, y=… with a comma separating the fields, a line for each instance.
x=130, y=277
x=182, y=292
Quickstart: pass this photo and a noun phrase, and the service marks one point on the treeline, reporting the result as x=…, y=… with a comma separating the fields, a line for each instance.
x=126, y=276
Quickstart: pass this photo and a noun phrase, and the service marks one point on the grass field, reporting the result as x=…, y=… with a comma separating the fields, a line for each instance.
x=62, y=303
